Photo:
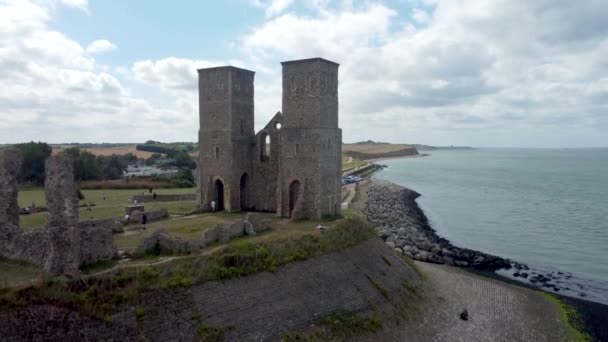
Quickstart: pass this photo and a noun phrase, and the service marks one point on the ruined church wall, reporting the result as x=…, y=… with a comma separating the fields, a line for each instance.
x=226, y=132
x=266, y=171
x=311, y=139
x=62, y=246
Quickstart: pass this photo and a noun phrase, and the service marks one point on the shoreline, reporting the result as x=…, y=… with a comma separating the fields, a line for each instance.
x=419, y=155
x=403, y=226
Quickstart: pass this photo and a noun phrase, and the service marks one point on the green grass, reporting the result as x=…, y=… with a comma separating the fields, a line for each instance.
x=570, y=318
x=338, y=326
x=353, y=164
x=187, y=227
x=112, y=206
x=17, y=274
x=207, y=333
x=383, y=291
x=101, y=296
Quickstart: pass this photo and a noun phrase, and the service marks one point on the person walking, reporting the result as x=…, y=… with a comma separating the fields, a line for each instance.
x=213, y=206
x=144, y=220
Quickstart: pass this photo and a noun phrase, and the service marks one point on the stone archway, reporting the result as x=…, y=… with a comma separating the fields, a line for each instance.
x=294, y=191
x=219, y=195
x=244, y=191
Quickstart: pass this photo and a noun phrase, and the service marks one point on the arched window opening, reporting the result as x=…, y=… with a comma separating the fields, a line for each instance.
x=294, y=85
x=216, y=152
x=294, y=192
x=265, y=147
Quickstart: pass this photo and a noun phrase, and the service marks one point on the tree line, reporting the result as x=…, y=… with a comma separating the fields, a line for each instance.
x=88, y=166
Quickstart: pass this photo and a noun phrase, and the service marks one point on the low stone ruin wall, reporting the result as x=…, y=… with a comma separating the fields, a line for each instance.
x=64, y=244
x=112, y=224
x=164, y=198
x=151, y=215
x=162, y=242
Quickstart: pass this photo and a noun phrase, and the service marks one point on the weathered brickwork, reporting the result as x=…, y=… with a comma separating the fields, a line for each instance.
x=293, y=165
x=65, y=244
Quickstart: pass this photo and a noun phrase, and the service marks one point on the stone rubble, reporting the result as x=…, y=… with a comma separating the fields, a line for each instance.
x=393, y=211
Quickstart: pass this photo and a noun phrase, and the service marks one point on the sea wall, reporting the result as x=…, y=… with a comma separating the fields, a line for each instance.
x=368, y=279
x=399, y=221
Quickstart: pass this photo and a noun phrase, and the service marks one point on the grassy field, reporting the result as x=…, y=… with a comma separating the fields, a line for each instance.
x=108, y=151
x=374, y=148
x=349, y=163
x=112, y=206
x=16, y=274
x=187, y=227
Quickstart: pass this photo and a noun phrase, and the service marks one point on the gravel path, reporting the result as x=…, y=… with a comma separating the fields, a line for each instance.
x=498, y=311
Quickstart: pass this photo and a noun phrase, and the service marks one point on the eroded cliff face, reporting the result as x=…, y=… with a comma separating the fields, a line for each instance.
x=367, y=278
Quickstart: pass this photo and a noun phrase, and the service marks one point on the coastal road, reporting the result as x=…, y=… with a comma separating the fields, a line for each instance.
x=498, y=311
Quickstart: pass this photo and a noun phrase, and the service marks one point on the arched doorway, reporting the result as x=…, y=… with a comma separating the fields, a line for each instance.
x=294, y=191
x=219, y=195
x=243, y=191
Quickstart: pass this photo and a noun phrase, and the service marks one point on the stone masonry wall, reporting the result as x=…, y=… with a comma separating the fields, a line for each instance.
x=266, y=170
x=65, y=244
x=164, y=198
x=310, y=140
x=10, y=163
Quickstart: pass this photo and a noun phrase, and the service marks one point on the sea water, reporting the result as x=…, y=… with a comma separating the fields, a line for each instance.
x=546, y=208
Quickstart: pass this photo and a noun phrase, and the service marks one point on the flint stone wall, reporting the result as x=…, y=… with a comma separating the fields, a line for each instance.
x=164, y=198
x=65, y=244
x=151, y=215
x=162, y=242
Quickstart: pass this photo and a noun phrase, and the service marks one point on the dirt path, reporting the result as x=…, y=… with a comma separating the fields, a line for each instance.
x=498, y=311
x=160, y=261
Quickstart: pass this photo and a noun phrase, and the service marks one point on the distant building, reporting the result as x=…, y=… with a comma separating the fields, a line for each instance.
x=293, y=165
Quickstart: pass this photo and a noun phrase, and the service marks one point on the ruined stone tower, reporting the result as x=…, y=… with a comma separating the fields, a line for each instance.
x=311, y=142
x=226, y=137
x=293, y=165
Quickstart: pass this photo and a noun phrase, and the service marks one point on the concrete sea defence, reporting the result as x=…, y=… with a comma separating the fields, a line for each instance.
x=393, y=211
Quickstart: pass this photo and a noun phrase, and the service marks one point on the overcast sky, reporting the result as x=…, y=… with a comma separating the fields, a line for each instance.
x=521, y=73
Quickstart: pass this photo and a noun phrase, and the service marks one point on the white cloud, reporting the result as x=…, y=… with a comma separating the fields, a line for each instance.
x=468, y=66
x=481, y=72
x=100, y=46
x=273, y=7
x=80, y=4
x=53, y=90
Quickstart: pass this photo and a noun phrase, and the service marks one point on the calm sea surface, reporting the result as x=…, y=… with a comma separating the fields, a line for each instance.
x=545, y=208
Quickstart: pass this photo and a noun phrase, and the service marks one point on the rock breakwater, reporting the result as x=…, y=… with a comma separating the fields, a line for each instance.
x=400, y=222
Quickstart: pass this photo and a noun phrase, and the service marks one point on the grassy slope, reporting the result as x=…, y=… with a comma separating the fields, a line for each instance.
x=374, y=148
x=354, y=162
x=112, y=206
x=102, y=295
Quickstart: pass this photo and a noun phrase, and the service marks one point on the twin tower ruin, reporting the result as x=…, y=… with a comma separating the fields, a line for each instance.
x=293, y=165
